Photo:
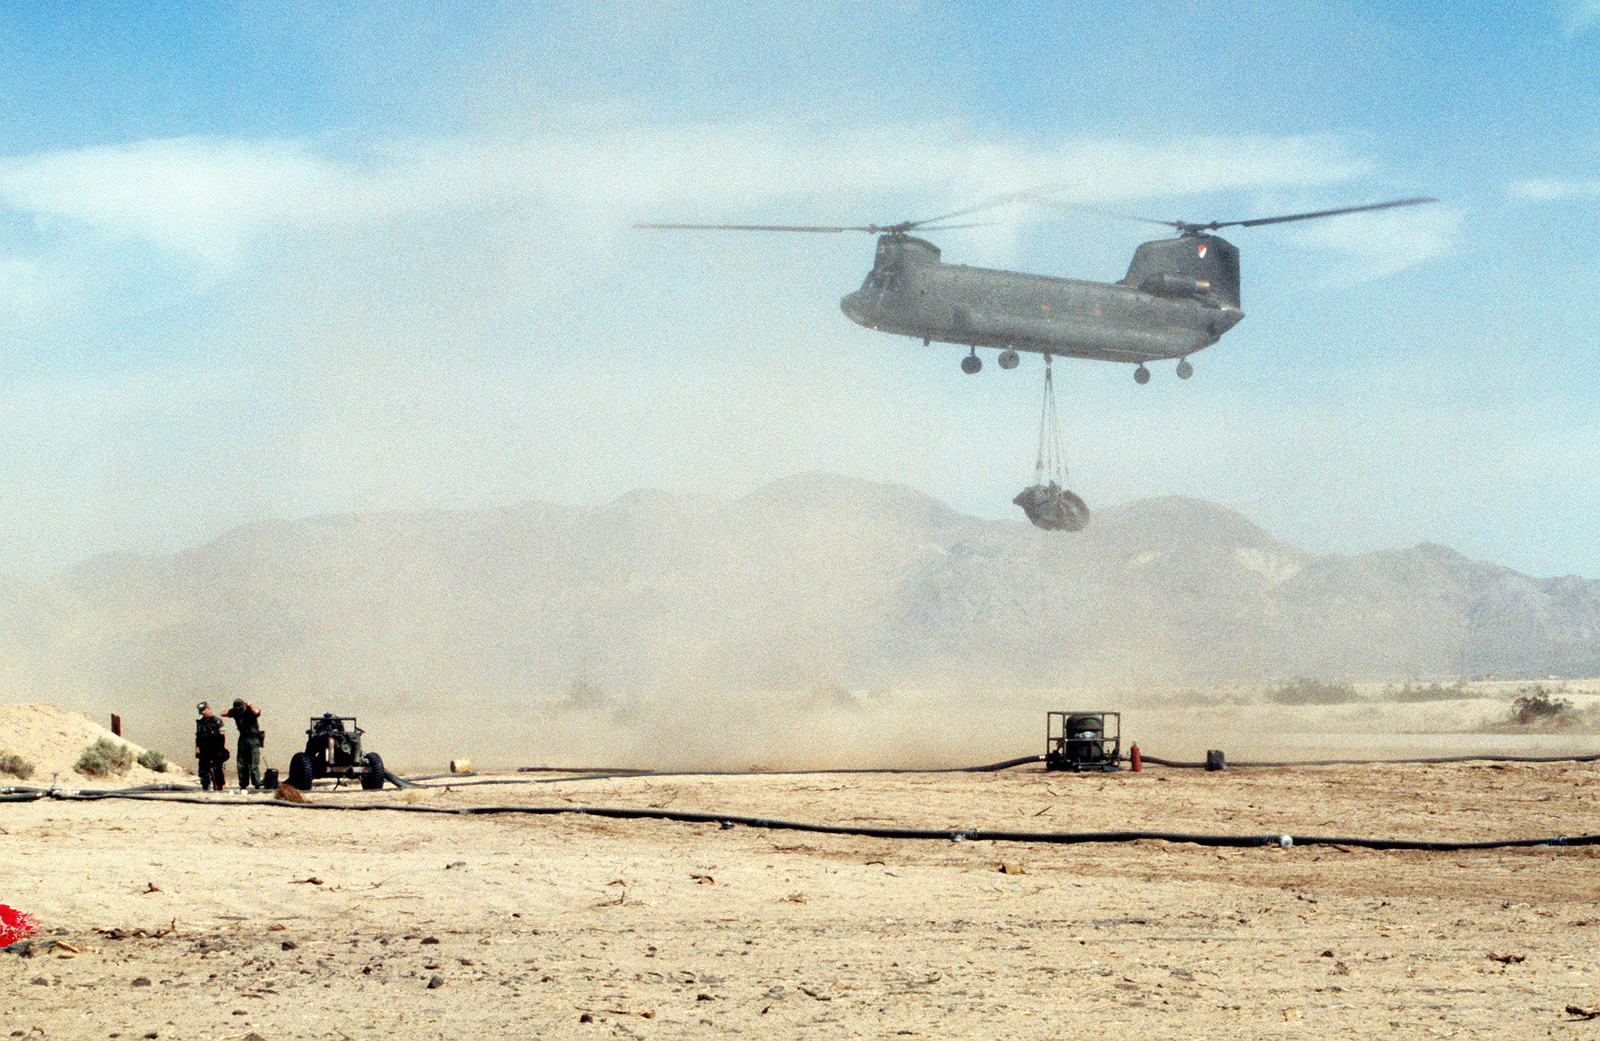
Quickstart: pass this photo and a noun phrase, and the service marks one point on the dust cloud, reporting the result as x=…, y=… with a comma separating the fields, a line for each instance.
x=831, y=728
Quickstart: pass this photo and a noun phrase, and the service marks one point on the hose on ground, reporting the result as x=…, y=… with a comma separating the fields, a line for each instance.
x=944, y=834
x=186, y=794
x=636, y=772
x=1434, y=760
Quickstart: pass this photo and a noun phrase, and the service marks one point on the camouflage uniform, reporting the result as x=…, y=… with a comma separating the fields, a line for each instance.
x=248, y=718
x=211, y=749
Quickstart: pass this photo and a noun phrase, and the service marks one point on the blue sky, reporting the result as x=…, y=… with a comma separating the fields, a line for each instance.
x=274, y=260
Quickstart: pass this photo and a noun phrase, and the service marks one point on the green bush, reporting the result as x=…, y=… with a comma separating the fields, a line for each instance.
x=16, y=766
x=151, y=759
x=1303, y=691
x=105, y=758
x=1539, y=705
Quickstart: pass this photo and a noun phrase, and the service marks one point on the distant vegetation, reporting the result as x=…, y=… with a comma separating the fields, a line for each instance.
x=14, y=765
x=587, y=696
x=105, y=758
x=151, y=759
x=584, y=695
x=1432, y=692
x=1304, y=691
x=1540, y=706
x=821, y=696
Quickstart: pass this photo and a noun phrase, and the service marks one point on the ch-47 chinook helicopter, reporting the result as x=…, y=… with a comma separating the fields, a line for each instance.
x=1179, y=295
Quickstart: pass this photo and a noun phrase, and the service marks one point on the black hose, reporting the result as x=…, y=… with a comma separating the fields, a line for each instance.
x=729, y=821
x=1423, y=844
x=598, y=774
x=948, y=834
x=129, y=793
x=579, y=770
x=1382, y=762
x=398, y=782
x=1008, y=764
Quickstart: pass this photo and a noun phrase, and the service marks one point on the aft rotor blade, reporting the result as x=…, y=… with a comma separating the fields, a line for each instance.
x=1319, y=213
x=1188, y=226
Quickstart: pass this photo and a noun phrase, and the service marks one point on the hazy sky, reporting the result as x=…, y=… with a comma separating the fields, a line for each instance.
x=280, y=259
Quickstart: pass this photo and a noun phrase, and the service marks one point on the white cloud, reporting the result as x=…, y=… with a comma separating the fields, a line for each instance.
x=207, y=197
x=1578, y=16
x=1554, y=189
x=1375, y=245
x=193, y=195
x=26, y=291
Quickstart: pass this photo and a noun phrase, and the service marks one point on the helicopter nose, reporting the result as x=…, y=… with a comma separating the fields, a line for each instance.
x=854, y=306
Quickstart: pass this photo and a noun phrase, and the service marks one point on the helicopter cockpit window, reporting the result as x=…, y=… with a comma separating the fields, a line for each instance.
x=881, y=281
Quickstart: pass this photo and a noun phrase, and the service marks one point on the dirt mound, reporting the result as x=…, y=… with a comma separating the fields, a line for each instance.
x=289, y=793
x=52, y=740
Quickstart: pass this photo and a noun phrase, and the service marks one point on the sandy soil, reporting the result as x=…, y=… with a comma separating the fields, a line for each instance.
x=50, y=741
x=226, y=916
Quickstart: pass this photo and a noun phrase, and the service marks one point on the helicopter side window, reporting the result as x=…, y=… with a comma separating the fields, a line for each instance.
x=879, y=280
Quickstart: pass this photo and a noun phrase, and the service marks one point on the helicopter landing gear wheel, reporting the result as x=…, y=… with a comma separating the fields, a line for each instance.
x=1141, y=375
x=1008, y=359
x=971, y=363
x=1185, y=370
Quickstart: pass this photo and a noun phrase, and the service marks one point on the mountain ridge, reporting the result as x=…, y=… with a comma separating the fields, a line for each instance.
x=813, y=581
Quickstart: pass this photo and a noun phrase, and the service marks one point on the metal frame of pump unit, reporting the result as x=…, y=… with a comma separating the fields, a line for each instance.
x=1065, y=751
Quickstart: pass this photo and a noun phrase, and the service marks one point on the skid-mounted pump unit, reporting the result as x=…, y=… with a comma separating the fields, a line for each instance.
x=1081, y=741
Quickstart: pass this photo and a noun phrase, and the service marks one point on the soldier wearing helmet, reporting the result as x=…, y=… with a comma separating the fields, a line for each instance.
x=248, y=719
x=210, y=748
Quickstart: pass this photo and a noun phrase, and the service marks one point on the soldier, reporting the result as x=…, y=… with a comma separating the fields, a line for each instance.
x=210, y=748
x=248, y=719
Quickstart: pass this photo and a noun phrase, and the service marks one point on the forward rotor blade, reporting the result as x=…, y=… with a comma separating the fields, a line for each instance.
x=1319, y=213
x=1008, y=199
x=757, y=227
x=926, y=223
x=1115, y=214
x=953, y=227
x=873, y=229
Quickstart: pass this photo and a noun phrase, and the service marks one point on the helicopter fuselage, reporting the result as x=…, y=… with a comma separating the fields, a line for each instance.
x=1179, y=297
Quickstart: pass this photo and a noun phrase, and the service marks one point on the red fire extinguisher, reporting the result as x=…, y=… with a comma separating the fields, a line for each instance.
x=1135, y=758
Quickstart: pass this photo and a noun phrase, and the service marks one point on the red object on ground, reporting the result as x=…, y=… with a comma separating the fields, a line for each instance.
x=14, y=925
x=1135, y=757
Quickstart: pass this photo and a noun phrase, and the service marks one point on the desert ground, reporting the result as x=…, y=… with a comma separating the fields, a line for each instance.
x=449, y=910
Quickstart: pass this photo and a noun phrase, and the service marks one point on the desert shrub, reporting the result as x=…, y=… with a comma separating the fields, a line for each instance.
x=582, y=696
x=151, y=759
x=1540, y=705
x=586, y=696
x=822, y=696
x=105, y=758
x=1432, y=692
x=16, y=766
x=1305, y=691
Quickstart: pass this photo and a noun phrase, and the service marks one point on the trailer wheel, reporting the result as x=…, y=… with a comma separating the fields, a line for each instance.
x=372, y=778
x=300, y=771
